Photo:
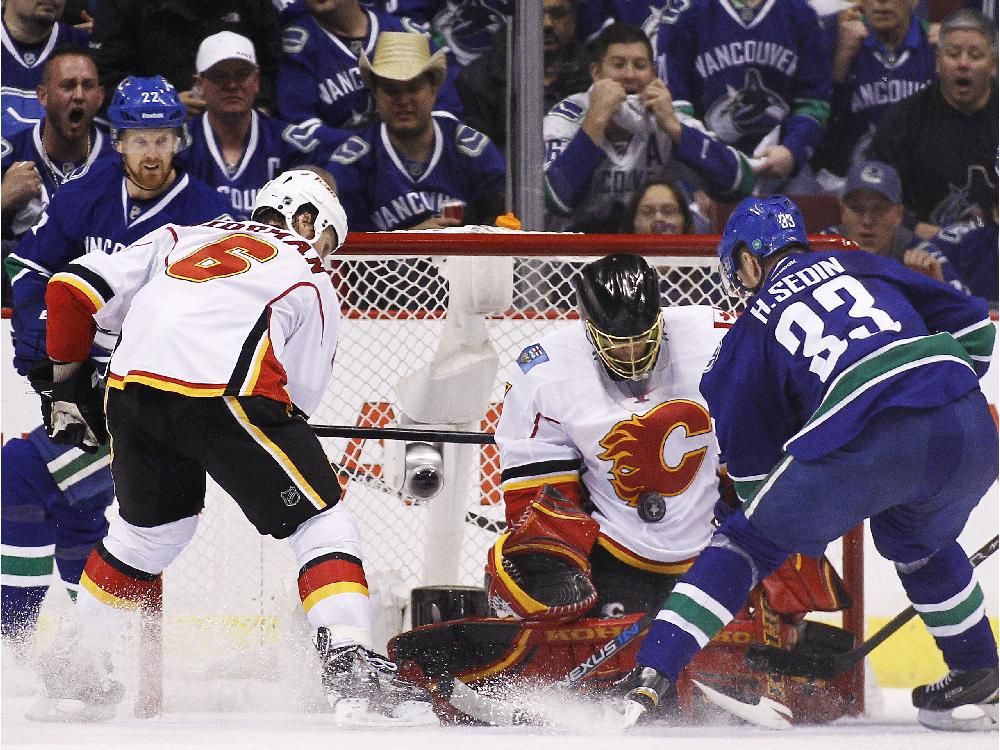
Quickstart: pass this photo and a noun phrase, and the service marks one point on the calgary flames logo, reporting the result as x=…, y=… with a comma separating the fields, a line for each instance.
x=636, y=448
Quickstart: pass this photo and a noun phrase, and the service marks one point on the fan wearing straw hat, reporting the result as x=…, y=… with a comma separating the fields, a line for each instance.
x=400, y=172
x=319, y=74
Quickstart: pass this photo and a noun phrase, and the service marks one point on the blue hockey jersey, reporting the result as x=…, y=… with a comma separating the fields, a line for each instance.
x=319, y=74
x=832, y=339
x=272, y=147
x=745, y=71
x=26, y=145
x=877, y=78
x=972, y=250
x=379, y=192
x=88, y=215
x=21, y=71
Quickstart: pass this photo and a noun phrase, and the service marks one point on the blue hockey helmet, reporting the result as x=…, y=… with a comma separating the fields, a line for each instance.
x=764, y=226
x=150, y=102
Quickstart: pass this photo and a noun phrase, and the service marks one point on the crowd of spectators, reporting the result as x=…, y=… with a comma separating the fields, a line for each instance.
x=654, y=101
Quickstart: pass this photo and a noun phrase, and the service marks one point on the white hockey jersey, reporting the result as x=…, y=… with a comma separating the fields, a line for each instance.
x=219, y=309
x=565, y=421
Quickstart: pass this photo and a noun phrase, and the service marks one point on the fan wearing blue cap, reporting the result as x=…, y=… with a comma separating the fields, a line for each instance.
x=848, y=391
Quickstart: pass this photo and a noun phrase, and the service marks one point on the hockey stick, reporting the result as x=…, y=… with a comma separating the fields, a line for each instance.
x=402, y=433
x=826, y=666
x=496, y=712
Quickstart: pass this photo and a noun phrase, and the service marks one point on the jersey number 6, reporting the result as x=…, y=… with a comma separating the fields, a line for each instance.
x=227, y=257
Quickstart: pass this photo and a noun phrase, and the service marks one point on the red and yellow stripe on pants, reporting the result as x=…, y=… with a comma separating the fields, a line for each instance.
x=330, y=582
x=118, y=585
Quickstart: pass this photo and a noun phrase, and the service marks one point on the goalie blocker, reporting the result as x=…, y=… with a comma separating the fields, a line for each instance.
x=490, y=653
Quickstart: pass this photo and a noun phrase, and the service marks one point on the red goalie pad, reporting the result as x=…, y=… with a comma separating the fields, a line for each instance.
x=806, y=584
x=497, y=654
x=540, y=570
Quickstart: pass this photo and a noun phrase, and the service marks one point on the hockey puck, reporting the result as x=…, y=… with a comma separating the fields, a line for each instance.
x=652, y=507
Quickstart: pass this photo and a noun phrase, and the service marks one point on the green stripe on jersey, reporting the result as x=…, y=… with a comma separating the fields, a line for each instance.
x=26, y=566
x=861, y=374
x=979, y=341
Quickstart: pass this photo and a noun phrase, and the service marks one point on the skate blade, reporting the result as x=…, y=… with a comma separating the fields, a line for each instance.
x=355, y=713
x=67, y=710
x=973, y=718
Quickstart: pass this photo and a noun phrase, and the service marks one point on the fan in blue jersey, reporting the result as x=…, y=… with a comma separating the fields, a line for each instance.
x=319, y=74
x=848, y=390
x=30, y=33
x=881, y=58
x=603, y=145
x=756, y=73
x=972, y=250
x=235, y=148
x=396, y=174
x=872, y=218
x=61, y=147
x=54, y=496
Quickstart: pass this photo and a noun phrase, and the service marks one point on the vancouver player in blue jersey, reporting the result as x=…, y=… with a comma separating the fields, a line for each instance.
x=847, y=390
x=54, y=495
x=118, y=201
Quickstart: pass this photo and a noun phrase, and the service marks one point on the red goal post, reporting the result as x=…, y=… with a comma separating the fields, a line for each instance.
x=430, y=322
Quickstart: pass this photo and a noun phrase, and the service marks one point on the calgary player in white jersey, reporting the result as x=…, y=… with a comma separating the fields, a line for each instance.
x=228, y=335
x=608, y=414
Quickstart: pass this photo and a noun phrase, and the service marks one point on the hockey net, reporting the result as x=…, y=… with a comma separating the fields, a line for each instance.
x=230, y=601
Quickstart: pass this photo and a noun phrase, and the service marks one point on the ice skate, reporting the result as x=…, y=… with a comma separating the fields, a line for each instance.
x=75, y=686
x=940, y=704
x=365, y=690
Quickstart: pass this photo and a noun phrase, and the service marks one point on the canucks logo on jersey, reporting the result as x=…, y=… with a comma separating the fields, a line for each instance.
x=752, y=109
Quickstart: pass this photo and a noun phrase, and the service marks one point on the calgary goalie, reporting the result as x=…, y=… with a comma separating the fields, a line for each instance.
x=610, y=476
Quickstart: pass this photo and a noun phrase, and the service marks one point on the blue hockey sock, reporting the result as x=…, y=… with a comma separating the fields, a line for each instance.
x=702, y=603
x=946, y=595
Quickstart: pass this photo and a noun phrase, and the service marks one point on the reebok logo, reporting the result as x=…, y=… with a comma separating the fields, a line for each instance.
x=152, y=115
x=952, y=693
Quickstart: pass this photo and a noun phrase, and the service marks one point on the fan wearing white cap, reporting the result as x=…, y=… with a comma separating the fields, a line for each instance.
x=402, y=172
x=234, y=147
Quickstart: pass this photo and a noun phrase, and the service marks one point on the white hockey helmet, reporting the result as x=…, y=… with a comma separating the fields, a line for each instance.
x=290, y=191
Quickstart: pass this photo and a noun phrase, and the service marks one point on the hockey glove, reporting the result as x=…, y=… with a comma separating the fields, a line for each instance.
x=72, y=403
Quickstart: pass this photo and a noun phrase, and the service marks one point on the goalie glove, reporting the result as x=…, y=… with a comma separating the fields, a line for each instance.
x=72, y=403
x=540, y=569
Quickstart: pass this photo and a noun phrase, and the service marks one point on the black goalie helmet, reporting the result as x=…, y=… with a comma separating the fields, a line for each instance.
x=619, y=301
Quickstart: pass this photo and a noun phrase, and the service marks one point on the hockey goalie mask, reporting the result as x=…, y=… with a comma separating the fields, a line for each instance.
x=299, y=190
x=619, y=301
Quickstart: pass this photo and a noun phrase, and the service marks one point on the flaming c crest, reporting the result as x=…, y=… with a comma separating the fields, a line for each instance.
x=635, y=446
